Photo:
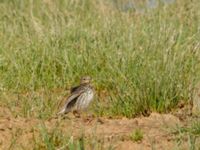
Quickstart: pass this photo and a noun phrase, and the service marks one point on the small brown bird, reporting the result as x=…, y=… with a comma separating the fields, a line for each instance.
x=80, y=98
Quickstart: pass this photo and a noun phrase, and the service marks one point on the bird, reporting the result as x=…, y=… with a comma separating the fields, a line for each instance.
x=80, y=97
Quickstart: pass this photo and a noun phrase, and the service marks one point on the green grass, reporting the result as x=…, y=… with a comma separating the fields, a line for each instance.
x=56, y=139
x=136, y=135
x=189, y=134
x=41, y=137
x=144, y=62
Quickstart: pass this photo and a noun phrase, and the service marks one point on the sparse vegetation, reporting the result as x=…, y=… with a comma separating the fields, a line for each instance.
x=191, y=134
x=57, y=139
x=136, y=135
x=60, y=140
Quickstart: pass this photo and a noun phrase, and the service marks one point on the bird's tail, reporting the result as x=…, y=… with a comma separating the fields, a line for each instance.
x=63, y=111
x=60, y=113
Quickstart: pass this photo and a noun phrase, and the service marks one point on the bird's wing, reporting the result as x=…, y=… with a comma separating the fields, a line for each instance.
x=73, y=89
x=71, y=100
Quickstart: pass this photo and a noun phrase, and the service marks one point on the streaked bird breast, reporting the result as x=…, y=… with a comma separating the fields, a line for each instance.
x=85, y=99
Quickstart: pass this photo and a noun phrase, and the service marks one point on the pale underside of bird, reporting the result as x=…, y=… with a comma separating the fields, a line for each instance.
x=80, y=97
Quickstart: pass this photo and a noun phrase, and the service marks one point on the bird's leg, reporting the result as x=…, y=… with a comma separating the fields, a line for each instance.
x=76, y=114
x=88, y=118
x=89, y=114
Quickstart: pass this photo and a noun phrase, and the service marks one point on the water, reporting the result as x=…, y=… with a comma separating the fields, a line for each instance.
x=152, y=4
x=168, y=1
x=139, y=5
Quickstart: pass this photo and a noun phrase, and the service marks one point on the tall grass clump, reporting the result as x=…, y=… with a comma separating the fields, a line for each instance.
x=144, y=61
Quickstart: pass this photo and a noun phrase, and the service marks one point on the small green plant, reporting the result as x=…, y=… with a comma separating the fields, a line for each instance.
x=191, y=133
x=136, y=135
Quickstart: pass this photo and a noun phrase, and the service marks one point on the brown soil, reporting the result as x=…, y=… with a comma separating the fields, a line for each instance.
x=116, y=132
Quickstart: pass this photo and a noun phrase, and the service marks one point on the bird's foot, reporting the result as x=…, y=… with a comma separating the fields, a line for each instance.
x=76, y=114
x=87, y=120
x=99, y=120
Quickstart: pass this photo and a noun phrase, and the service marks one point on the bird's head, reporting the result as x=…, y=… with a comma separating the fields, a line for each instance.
x=86, y=80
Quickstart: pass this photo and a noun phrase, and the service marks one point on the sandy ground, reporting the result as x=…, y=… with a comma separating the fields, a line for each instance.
x=115, y=132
